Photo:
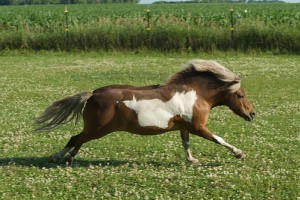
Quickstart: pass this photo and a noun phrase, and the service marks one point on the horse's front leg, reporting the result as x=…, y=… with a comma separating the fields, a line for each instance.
x=236, y=152
x=205, y=133
x=185, y=137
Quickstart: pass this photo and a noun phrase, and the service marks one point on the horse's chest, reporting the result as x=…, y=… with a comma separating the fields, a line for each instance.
x=155, y=112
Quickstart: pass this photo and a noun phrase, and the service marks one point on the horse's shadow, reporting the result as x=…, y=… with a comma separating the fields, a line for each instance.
x=42, y=162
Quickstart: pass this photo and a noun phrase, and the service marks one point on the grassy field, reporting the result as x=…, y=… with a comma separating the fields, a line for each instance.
x=125, y=166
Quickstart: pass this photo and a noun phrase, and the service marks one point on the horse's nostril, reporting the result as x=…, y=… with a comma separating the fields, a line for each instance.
x=252, y=114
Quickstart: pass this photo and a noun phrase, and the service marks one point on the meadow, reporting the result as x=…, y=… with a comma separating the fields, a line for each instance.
x=125, y=166
x=178, y=27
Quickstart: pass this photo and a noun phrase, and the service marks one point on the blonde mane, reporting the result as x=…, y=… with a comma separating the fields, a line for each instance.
x=208, y=66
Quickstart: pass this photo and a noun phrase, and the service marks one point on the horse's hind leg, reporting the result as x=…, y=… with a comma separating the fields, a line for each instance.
x=76, y=143
x=69, y=158
x=56, y=157
x=185, y=137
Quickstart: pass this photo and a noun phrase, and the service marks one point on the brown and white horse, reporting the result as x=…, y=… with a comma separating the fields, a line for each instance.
x=182, y=103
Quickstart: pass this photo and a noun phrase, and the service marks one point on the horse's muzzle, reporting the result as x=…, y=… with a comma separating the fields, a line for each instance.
x=250, y=116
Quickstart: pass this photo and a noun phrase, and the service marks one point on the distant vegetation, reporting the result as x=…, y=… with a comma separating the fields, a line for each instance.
x=175, y=27
x=43, y=2
x=217, y=1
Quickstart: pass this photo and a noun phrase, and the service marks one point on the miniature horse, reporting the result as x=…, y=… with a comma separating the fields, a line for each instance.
x=181, y=103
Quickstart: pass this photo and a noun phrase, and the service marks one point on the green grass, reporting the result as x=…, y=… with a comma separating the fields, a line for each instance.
x=125, y=166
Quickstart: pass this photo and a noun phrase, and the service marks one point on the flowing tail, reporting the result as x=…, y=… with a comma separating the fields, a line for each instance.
x=62, y=111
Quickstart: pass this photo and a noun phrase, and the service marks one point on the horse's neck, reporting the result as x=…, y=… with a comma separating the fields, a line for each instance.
x=212, y=91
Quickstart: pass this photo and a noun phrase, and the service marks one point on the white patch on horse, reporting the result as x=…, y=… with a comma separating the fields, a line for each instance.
x=155, y=112
x=233, y=149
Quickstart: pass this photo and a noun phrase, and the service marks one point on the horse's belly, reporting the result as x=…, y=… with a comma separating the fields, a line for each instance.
x=148, y=130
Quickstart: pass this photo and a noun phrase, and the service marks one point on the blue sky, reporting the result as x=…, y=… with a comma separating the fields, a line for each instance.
x=151, y=1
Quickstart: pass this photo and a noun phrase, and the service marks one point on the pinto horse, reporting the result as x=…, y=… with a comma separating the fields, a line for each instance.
x=182, y=103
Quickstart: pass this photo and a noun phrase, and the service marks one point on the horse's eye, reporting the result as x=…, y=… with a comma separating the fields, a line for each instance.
x=240, y=96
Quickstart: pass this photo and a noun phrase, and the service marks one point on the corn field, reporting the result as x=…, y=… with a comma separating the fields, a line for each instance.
x=176, y=27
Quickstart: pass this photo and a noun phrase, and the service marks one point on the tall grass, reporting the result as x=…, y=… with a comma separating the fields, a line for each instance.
x=191, y=27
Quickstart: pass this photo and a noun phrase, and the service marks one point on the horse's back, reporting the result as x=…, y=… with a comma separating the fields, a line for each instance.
x=121, y=87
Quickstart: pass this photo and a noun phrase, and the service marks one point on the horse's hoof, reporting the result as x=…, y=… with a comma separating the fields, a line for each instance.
x=69, y=161
x=52, y=159
x=193, y=161
x=240, y=156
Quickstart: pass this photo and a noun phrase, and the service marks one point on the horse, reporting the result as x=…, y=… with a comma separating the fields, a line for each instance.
x=181, y=103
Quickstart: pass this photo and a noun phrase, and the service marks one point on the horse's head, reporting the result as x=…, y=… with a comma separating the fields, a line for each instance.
x=239, y=104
